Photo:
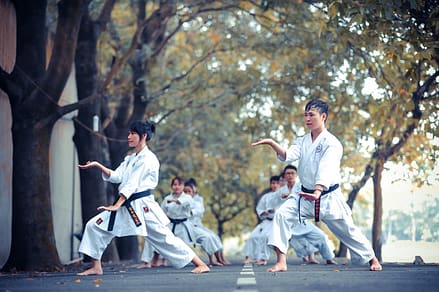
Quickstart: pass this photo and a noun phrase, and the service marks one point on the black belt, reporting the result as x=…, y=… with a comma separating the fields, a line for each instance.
x=175, y=222
x=317, y=202
x=130, y=209
x=179, y=221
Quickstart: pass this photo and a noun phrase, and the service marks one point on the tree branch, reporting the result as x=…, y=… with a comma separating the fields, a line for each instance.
x=63, y=54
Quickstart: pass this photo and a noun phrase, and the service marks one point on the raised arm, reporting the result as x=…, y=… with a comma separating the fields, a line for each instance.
x=281, y=152
x=91, y=164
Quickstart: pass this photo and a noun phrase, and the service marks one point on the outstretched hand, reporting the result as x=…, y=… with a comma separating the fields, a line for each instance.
x=88, y=164
x=108, y=208
x=309, y=196
x=265, y=141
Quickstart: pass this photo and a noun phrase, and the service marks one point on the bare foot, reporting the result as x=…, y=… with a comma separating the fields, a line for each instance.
x=313, y=262
x=260, y=262
x=225, y=262
x=91, y=271
x=331, y=262
x=144, y=266
x=374, y=265
x=158, y=262
x=201, y=269
x=278, y=267
x=215, y=264
x=246, y=261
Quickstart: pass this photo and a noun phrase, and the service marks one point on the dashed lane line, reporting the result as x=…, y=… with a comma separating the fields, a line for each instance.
x=247, y=281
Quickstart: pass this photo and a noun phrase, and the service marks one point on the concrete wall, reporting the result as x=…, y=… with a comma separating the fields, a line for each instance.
x=64, y=180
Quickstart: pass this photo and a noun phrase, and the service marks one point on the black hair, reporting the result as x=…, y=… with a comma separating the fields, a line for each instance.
x=192, y=181
x=143, y=127
x=189, y=184
x=289, y=166
x=319, y=105
x=178, y=179
x=274, y=178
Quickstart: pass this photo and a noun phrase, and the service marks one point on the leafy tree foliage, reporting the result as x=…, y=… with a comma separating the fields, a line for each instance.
x=217, y=75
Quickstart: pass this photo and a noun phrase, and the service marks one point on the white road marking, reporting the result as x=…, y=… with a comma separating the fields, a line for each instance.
x=248, y=283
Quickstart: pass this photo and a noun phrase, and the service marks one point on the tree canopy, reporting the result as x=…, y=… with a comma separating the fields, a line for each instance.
x=217, y=75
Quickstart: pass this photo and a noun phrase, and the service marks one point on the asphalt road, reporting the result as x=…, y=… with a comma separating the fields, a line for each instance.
x=235, y=277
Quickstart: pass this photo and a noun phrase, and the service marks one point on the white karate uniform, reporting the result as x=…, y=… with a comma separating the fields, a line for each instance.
x=319, y=163
x=196, y=219
x=308, y=238
x=197, y=209
x=302, y=247
x=186, y=230
x=181, y=211
x=135, y=174
x=256, y=245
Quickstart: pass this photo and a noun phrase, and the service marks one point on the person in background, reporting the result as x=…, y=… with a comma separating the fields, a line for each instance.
x=197, y=211
x=177, y=206
x=256, y=248
x=307, y=239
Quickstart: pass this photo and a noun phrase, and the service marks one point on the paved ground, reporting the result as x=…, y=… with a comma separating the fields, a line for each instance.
x=235, y=277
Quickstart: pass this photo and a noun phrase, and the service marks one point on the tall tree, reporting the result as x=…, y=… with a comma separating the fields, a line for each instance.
x=34, y=91
x=88, y=140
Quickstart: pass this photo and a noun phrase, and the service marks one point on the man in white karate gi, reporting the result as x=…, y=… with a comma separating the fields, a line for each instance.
x=319, y=154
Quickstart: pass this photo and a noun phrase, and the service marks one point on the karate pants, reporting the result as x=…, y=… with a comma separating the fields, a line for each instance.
x=341, y=224
x=160, y=237
x=256, y=245
x=313, y=241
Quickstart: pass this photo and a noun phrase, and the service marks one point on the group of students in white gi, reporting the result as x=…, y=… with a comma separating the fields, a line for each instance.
x=185, y=208
x=318, y=196
x=306, y=239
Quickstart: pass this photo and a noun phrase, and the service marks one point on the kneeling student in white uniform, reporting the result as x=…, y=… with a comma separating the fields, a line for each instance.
x=135, y=212
x=307, y=239
x=256, y=248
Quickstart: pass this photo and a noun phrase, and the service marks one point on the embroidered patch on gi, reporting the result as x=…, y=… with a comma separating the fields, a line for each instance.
x=99, y=221
x=319, y=148
x=145, y=208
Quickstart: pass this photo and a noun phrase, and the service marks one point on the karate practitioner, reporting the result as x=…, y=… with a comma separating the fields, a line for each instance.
x=256, y=247
x=319, y=153
x=304, y=249
x=197, y=212
x=135, y=212
x=307, y=239
x=177, y=206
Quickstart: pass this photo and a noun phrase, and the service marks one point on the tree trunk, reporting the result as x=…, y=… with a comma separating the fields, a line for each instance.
x=33, y=241
x=220, y=229
x=378, y=209
x=89, y=144
x=343, y=249
x=34, y=92
x=128, y=247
